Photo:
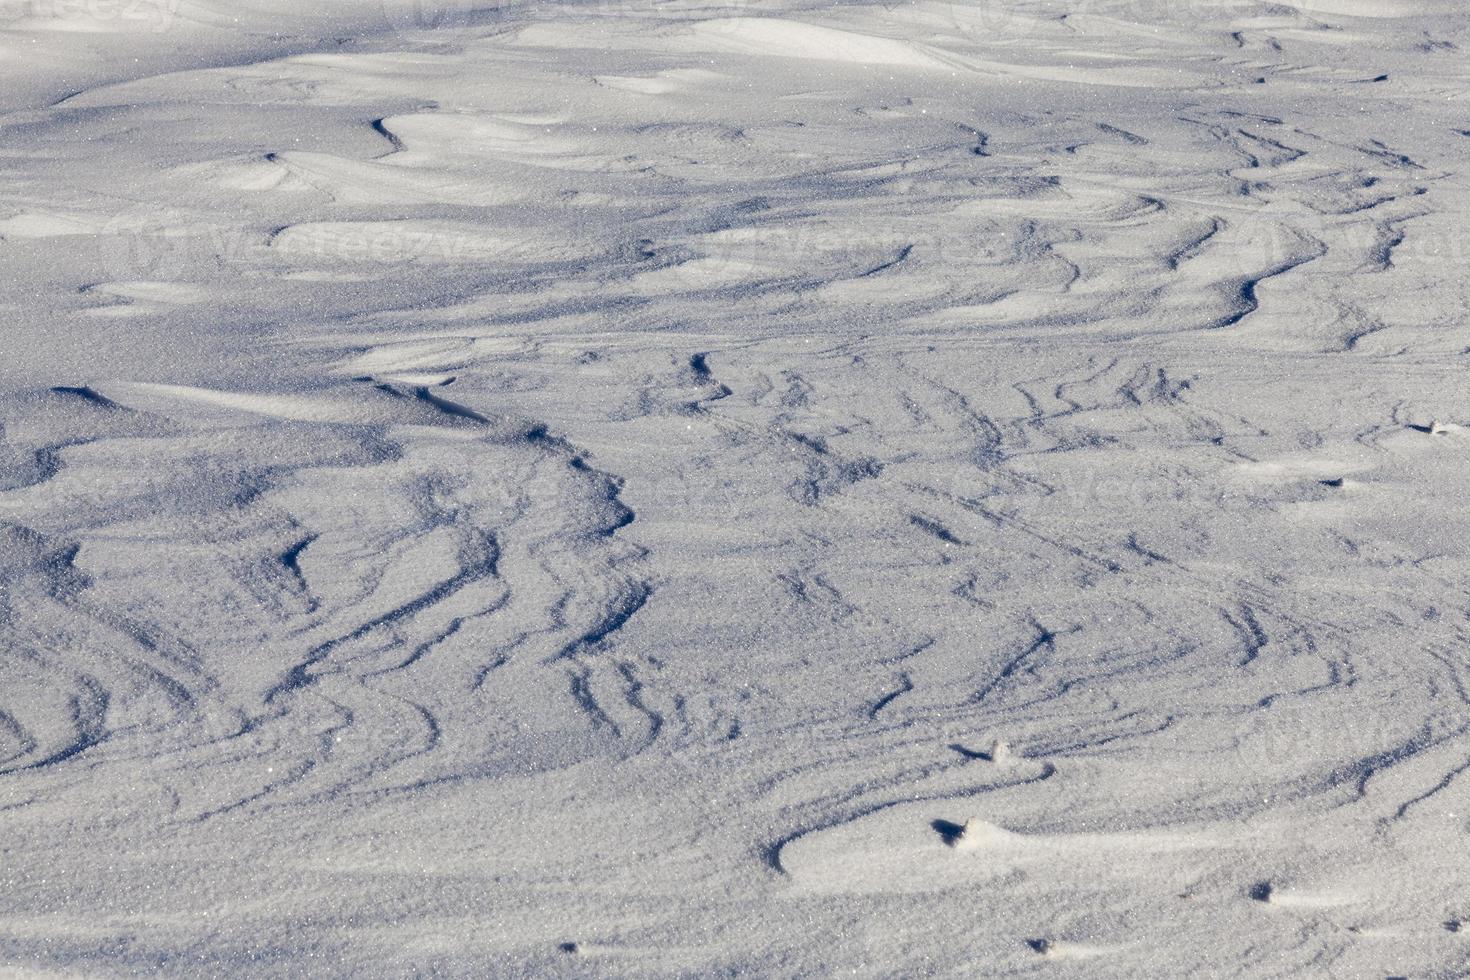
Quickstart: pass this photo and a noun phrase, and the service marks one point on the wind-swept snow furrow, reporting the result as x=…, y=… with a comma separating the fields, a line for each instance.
x=357, y=629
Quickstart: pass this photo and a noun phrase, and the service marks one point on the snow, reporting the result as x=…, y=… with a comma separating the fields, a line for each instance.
x=638, y=488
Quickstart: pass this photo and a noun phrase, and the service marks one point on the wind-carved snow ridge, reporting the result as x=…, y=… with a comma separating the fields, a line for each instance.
x=626, y=488
x=363, y=590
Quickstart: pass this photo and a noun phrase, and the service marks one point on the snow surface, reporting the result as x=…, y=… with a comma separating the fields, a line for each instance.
x=633, y=488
